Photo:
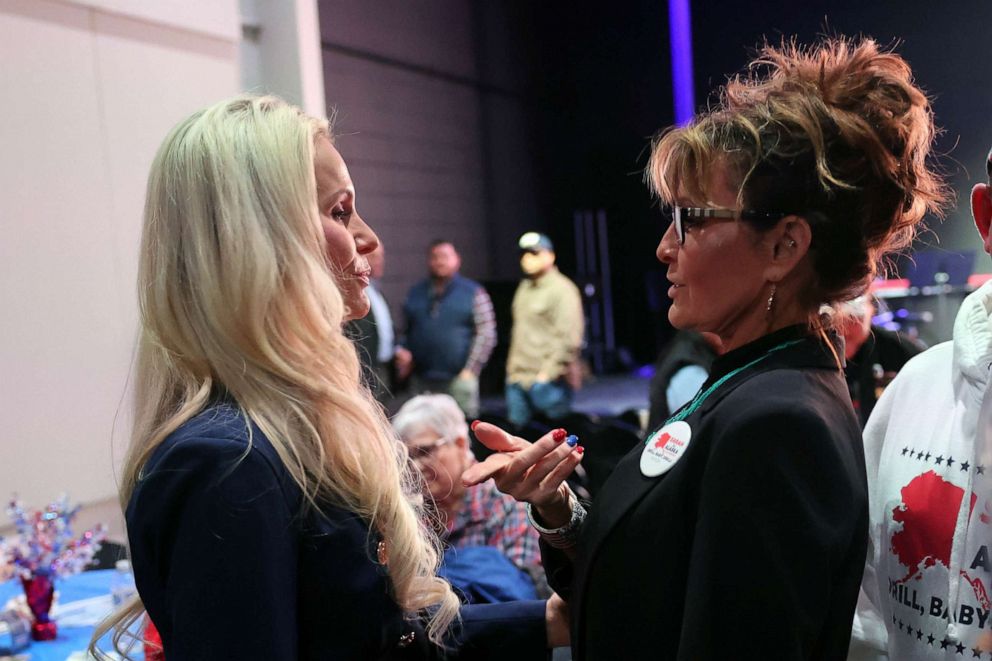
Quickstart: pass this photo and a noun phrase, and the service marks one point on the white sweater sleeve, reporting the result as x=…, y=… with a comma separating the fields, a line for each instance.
x=869, y=637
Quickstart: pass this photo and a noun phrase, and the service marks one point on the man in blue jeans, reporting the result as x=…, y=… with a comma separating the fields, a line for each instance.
x=542, y=369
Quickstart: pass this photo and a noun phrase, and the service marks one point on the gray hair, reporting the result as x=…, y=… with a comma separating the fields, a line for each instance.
x=438, y=414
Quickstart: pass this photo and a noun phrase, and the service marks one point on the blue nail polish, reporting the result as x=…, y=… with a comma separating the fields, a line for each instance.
x=572, y=440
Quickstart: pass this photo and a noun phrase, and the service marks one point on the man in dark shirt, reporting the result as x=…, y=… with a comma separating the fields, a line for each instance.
x=874, y=355
x=450, y=331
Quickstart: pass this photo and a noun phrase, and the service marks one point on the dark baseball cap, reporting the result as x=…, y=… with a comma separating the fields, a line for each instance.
x=535, y=241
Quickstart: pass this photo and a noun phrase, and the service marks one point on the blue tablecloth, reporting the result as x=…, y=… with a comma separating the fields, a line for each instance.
x=70, y=639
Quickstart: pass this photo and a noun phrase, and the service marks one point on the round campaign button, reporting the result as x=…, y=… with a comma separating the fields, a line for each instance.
x=664, y=448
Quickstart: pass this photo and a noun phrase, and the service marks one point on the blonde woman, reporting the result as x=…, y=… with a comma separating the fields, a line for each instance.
x=269, y=508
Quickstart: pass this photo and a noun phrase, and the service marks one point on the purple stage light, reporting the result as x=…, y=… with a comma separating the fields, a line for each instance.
x=680, y=35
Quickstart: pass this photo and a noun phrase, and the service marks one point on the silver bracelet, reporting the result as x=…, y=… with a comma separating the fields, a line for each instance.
x=567, y=535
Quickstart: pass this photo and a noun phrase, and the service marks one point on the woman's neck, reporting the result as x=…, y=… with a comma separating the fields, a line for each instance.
x=760, y=325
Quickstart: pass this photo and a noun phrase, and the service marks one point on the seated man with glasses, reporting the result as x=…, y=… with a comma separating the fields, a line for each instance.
x=491, y=544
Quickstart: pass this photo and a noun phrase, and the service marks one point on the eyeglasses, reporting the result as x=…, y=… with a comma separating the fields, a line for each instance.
x=422, y=454
x=684, y=217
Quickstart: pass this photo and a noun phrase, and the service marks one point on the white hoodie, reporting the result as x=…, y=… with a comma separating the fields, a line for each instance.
x=926, y=591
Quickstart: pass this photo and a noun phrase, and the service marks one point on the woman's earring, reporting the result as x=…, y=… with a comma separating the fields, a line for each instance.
x=771, y=300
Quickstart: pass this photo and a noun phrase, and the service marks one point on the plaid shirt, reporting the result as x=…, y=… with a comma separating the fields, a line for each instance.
x=491, y=518
x=485, y=332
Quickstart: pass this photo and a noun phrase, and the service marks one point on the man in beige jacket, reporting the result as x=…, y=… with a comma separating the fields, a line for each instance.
x=548, y=327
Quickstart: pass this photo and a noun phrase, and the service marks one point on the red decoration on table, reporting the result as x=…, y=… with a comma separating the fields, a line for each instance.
x=43, y=550
x=39, y=591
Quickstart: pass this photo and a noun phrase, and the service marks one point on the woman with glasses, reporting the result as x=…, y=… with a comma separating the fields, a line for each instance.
x=434, y=430
x=739, y=529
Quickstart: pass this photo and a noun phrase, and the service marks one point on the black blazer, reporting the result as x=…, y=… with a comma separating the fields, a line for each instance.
x=752, y=545
x=229, y=566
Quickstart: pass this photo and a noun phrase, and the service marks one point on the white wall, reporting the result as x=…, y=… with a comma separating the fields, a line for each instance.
x=280, y=52
x=90, y=88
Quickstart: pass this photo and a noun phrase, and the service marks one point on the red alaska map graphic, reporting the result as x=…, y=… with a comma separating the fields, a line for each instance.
x=928, y=513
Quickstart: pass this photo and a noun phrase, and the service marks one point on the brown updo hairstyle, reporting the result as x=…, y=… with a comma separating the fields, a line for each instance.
x=837, y=133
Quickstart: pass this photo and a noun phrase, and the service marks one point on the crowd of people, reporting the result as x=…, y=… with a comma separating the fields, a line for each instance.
x=274, y=512
x=449, y=333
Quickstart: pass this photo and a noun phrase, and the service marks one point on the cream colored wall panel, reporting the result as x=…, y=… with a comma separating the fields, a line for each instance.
x=151, y=79
x=90, y=95
x=281, y=53
x=61, y=351
x=218, y=18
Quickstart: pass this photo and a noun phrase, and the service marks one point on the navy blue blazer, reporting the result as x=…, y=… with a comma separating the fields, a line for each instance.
x=752, y=545
x=230, y=566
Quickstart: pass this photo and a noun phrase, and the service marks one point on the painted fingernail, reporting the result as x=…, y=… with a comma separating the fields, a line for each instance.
x=572, y=440
x=580, y=449
x=475, y=423
x=559, y=435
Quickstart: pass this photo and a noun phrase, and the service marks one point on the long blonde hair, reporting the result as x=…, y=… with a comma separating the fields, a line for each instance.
x=236, y=293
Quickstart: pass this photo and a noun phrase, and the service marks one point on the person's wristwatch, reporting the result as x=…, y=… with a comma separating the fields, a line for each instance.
x=567, y=535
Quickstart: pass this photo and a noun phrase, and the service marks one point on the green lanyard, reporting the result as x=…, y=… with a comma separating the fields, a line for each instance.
x=701, y=396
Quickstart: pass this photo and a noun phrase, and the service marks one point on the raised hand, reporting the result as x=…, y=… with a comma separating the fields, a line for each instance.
x=530, y=472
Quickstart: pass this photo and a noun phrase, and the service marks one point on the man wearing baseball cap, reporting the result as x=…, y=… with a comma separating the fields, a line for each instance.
x=548, y=328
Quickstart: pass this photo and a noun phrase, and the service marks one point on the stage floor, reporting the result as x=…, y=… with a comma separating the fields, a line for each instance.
x=607, y=395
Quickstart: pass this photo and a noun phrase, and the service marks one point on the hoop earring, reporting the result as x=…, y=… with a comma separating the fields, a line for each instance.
x=771, y=300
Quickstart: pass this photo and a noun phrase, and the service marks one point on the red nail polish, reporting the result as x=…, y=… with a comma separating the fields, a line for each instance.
x=475, y=423
x=559, y=435
x=580, y=449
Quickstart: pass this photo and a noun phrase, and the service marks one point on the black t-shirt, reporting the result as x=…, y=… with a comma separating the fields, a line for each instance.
x=874, y=365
